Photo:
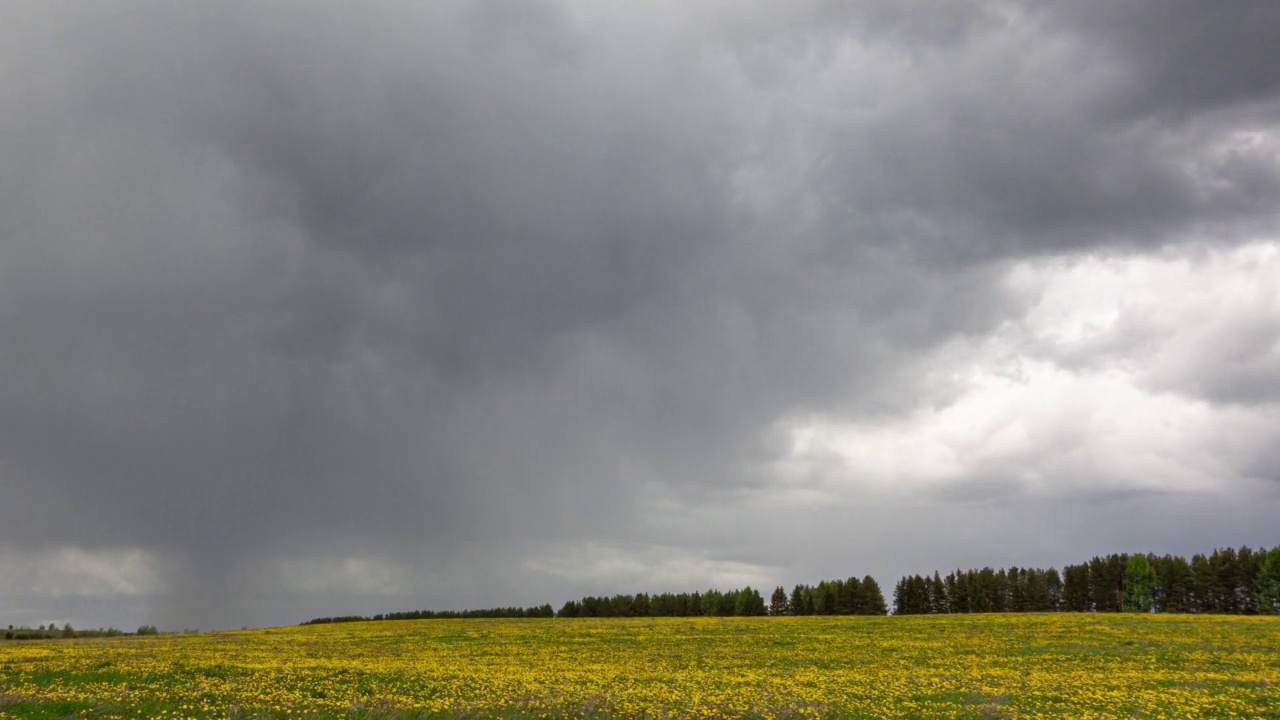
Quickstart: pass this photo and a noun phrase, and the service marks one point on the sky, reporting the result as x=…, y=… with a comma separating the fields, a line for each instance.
x=322, y=308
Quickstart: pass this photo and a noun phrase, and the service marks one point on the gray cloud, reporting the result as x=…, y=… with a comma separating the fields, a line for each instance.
x=452, y=290
x=1180, y=60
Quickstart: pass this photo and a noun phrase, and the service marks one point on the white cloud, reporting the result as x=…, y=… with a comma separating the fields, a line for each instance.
x=1106, y=385
x=69, y=572
x=1183, y=322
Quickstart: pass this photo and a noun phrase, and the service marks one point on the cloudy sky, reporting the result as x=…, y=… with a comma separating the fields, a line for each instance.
x=313, y=308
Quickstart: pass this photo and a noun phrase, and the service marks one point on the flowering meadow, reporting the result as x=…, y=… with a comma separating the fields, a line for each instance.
x=973, y=666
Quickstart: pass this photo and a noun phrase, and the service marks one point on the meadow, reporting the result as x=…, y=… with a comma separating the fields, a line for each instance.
x=972, y=666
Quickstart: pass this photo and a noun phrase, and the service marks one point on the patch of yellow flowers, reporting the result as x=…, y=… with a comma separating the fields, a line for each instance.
x=974, y=666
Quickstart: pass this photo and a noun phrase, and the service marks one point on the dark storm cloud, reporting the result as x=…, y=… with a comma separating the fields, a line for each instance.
x=1186, y=57
x=448, y=284
x=1016, y=146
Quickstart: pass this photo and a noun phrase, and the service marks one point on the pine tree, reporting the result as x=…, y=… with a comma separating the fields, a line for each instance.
x=982, y=584
x=1247, y=589
x=1076, y=589
x=1226, y=570
x=796, y=604
x=1204, y=599
x=956, y=601
x=778, y=603
x=825, y=599
x=1035, y=590
x=849, y=590
x=711, y=602
x=911, y=596
x=1173, y=584
x=1053, y=582
x=871, y=598
x=938, y=603
x=1017, y=580
x=694, y=604
x=1108, y=582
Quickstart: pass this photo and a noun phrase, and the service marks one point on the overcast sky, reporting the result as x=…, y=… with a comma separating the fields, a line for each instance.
x=314, y=308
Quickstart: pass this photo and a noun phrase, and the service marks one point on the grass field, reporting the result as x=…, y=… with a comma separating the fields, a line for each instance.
x=974, y=666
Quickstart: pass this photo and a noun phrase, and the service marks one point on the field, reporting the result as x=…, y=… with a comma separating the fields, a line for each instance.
x=974, y=666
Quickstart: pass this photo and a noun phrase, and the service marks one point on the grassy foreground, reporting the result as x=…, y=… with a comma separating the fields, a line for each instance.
x=974, y=666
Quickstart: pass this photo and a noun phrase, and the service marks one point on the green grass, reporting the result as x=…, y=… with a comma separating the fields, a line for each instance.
x=906, y=668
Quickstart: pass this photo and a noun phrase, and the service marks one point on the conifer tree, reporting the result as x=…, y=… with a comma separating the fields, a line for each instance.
x=872, y=599
x=796, y=603
x=1173, y=584
x=1226, y=570
x=822, y=599
x=956, y=601
x=849, y=596
x=1053, y=584
x=778, y=603
x=1203, y=583
x=937, y=595
x=1076, y=589
x=1250, y=568
x=711, y=602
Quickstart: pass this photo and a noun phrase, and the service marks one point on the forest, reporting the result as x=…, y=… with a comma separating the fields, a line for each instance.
x=829, y=597
x=1227, y=581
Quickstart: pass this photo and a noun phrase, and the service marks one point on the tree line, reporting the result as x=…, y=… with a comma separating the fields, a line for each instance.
x=41, y=632
x=1226, y=581
x=743, y=602
x=829, y=597
x=540, y=611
